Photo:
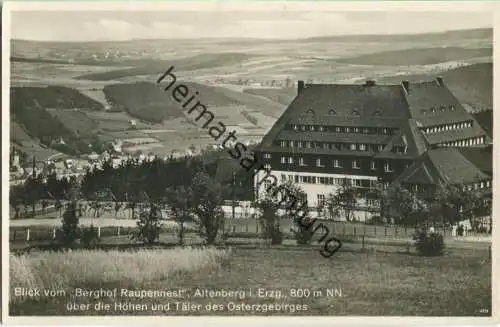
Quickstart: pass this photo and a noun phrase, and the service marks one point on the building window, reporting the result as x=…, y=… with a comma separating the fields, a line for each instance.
x=295, y=127
x=321, y=200
x=356, y=164
x=326, y=146
x=283, y=177
x=267, y=156
x=303, y=127
x=283, y=160
x=385, y=131
x=373, y=165
x=353, y=147
x=387, y=167
x=308, y=145
x=362, y=147
x=318, y=163
x=357, y=182
x=290, y=160
x=337, y=129
x=301, y=162
x=347, y=130
x=283, y=144
x=299, y=144
x=267, y=167
x=311, y=128
x=337, y=163
x=296, y=178
x=380, y=147
x=356, y=130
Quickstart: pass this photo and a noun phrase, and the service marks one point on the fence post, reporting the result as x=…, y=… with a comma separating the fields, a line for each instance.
x=406, y=231
x=99, y=232
x=343, y=229
x=54, y=234
x=385, y=231
x=14, y=236
x=364, y=230
x=27, y=234
x=354, y=230
x=363, y=243
x=375, y=230
x=118, y=231
x=396, y=231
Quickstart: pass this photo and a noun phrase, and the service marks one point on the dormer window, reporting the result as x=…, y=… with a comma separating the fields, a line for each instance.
x=355, y=113
x=452, y=108
x=311, y=128
x=321, y=128
x=424, y=111
x=303, y=127
x=332, y=112
x=433, y=109
x=295, y=127
x=310, y=111
x=378, y=112
x=442, y=108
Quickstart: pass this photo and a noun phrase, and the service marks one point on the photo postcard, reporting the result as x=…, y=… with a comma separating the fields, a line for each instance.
x=248, y=160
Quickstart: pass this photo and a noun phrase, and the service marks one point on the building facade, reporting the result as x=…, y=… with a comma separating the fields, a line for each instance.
x=370, y=135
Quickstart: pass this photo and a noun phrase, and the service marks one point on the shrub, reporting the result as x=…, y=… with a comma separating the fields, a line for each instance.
x=69, y=232
x=149, y=225
x=303, y=234
x=428, y=243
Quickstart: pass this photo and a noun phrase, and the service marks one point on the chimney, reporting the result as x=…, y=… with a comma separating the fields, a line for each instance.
x=406, y=86
x=370, y=82
x=439, y=80
x=300, y=86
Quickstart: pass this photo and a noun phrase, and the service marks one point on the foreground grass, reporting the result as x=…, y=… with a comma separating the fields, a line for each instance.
x=371, y=283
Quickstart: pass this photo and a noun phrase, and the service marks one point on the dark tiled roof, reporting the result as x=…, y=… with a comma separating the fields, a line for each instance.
x=422, y=96
x=453, y=167
x=482, y=158
x=373, y=106
x=356, y=102
x=444, y=164
x=420, y=172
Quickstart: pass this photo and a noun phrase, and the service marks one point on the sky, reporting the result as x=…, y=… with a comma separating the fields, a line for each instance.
x=271, y=24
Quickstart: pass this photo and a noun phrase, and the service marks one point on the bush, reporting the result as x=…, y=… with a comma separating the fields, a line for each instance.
x=302, y=234
x=428, y=243
x=90, y=237
x=69, y=232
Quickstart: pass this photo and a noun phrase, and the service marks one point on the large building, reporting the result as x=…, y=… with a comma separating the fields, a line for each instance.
x=414, y=133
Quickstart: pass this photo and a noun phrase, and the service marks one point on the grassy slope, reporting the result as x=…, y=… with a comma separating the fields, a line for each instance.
x=472, y=85
x=372, y=283
x=423, y=56
x=48, y=113
x=147, y=101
